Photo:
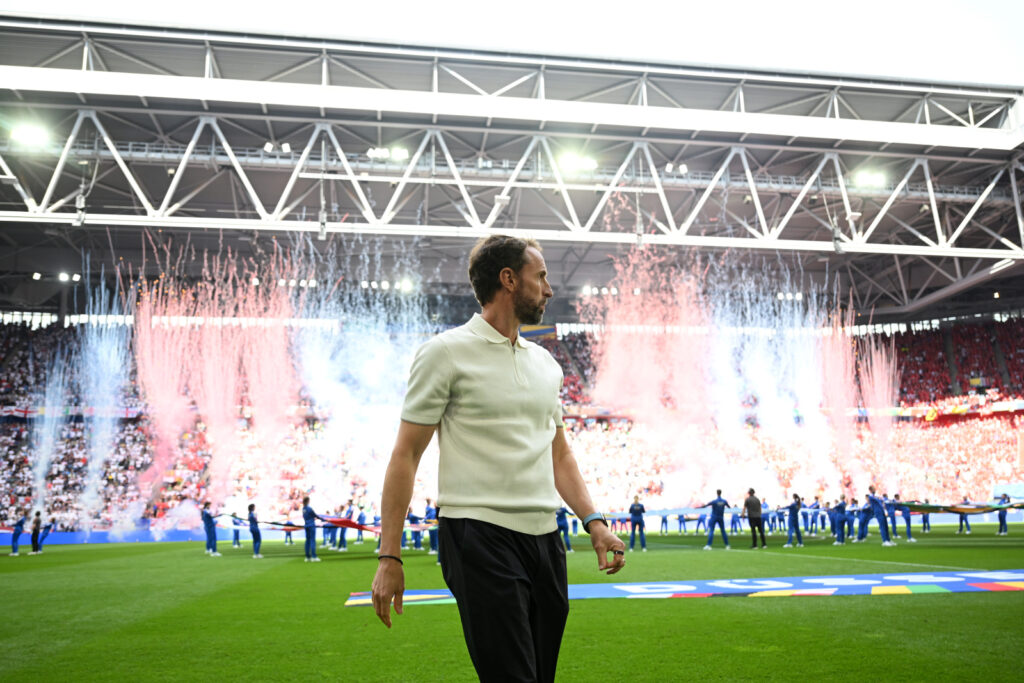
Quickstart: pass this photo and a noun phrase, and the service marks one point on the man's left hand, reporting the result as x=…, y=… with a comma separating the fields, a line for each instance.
x=605, y=543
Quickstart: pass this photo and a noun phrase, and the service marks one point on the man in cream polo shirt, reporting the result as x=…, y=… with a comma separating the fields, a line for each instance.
x=493, y=399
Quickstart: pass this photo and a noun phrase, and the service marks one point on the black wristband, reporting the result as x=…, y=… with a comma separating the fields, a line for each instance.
x=390, y=557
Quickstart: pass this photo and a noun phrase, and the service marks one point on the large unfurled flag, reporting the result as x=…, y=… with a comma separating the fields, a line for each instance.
x=960, y=508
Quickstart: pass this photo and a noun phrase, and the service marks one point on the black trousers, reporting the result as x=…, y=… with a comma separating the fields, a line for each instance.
x=513, y=597
x=35, y=541
x=756, y=525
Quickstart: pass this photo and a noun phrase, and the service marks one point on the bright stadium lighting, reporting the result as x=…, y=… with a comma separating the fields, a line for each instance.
x=268, y=147
x=799, y=296
x=302, y=283
x=399, y=153
x=780, y=296
x=995, y=295
x=255, y=281
x=37, y=276
x=682, y=169
x=63, y=277
x=789, y=296
x=385, y=285
x=868, y=178
x=365, y=284
x=615, y=291
x=311, y=283
x=286, y=148
x=76, y=277
x=636, y=291
x=292, y=282
x=586, y=290
x=282, y=282
x=669, y=166
x=571, y=163
x=378, y=153
x=30, y=135
x=604, y=290
x=373, y=284
x=405, y=285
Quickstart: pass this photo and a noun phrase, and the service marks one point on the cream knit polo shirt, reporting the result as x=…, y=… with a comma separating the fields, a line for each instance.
x=498, y=407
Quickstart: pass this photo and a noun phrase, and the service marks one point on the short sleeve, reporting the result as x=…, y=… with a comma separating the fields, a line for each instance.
x=429, y=388
x=556, y=416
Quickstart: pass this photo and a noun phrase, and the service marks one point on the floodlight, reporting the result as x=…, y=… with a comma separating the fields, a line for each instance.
x=780, y=296
x=364, y=284
x=255, y=281
x=571, y=163
x=604, y=290
x=282, y=282
x=615, y=291
x=406, y=285
x=63, y=277
x=268, y=147
x=292, y=283
x=636, y=291
x=799, y=296
x=373, y=284
x=995, y=295
x=868, y=178
x=286, y=148
x=669, y=166
x=311, y=283
x=385, y=285
x=399, y=153
x=789, y=296
x=682, y=169
x=37, y=276
x=30, y=135
x=302, y=283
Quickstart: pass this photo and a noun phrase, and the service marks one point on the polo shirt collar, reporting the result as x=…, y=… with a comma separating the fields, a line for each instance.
x=483, y=329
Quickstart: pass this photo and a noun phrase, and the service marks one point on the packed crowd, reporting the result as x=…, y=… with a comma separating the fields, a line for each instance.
x=621, y=459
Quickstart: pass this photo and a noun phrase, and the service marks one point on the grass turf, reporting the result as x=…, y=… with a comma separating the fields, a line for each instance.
x=165, y=611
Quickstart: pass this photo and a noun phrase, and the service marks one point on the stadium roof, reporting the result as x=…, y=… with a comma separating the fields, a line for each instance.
x=908, y=191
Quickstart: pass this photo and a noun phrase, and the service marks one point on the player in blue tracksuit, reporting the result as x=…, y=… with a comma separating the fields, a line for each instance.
x=878, y=510
x=814, y=508
x=890, y=513
x=1003, y=500
x=717, y=506
x=964, y=522
x=309, y=522
x=236, y=538
x=46, y=532
x=563, y=526
x=636, y=521
x=735, y=525
x=417, y=534
x=682, y=523
x=330, y=532
x=254, y=529
x=794, y=523
x=361, y=520
x=804, y=512
x=575, y=525
x=16, y=532
x=663, y=530
x=210, y=527
x=342, y=541
x=430, y=517
x=839, y=520
x=767, y=516
x=905, y=513
x=926, y=520
x=702, y=521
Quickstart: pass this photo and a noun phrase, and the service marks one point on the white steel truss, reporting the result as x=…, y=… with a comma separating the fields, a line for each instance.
x=159, y=127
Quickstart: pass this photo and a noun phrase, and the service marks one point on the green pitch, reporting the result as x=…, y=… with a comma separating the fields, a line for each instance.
x=169, y=612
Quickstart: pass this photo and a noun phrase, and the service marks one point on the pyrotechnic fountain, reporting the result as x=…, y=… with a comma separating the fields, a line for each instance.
x=46, y=430
x=739, y=372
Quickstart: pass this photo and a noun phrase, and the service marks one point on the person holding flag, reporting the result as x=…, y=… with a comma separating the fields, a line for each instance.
x=361, y=520
x=794, y=522
x=905, y=513
x=926, y=521
x=839, y=517
x=46, y=532
x=964, y=522
x=877, y=508
x=718, y=506
x=210, y=527
x=309, y=518
x=254, y=529
x=1003, y=500
x=17, y=531
x=636, y=520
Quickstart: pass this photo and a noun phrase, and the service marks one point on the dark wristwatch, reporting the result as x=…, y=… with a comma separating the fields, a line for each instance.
x=593, y=517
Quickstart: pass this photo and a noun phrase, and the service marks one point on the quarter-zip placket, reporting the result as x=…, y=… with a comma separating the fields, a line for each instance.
x=520, y=380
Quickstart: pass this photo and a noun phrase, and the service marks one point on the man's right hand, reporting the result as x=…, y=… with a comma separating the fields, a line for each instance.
x=388, y=584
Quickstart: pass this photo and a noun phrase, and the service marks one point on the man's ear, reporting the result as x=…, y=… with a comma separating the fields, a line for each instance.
x=507, y=277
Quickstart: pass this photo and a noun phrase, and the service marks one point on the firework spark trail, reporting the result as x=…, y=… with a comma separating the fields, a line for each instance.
x=163, y=348
x=706, y=347
x=353, y=356
x=104, y=358
x=879, y=386
x=46, y=430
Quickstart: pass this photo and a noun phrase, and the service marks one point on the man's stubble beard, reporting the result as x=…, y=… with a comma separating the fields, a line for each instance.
x=528, y=313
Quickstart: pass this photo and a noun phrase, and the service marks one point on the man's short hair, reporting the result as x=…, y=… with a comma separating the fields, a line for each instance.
x=489, y=257
x=751, y=491
x=719, y=492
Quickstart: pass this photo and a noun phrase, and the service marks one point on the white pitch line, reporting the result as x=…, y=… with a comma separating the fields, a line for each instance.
x=854, y=559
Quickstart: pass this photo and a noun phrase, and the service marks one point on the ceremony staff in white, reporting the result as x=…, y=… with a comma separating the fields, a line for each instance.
x=493, y=397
